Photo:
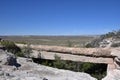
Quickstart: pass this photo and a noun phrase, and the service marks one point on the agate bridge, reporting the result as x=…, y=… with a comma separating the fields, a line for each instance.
x=93, y=55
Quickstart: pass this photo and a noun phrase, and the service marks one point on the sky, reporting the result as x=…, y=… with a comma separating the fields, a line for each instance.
x=59, y=17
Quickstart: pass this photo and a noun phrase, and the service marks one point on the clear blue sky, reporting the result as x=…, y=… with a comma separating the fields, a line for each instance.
x=58, y=17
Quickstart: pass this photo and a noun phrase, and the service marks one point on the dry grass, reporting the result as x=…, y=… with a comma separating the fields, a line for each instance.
x=75, y=41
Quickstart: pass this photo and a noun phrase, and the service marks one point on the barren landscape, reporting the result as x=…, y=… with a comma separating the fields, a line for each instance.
x=73, y=41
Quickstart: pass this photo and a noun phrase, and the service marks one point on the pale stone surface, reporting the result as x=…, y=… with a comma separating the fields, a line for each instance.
x=116, y=53
x=35, y=54
x=7, y=58
x=113, y=75
x=28, y=70
x=110, y=67
x=32, y=71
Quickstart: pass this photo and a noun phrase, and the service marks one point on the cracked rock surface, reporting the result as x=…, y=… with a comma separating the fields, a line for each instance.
x=22, y=69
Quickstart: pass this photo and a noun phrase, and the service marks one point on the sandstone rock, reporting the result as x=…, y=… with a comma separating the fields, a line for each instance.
x=117, y=63
x=3, y=57
x=113, y=75
x=116, y=54
x=9, y=59
x=32, y=71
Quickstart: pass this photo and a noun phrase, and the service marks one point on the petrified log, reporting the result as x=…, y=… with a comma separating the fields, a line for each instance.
x=103, y=52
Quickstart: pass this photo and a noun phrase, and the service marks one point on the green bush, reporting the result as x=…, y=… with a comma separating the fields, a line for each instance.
x=69, y=43
x=26, y=50
x=113, y=34
x=10, y=46
x=88, y=45
x=86, y=67
x=58, y=63
x=96, y=70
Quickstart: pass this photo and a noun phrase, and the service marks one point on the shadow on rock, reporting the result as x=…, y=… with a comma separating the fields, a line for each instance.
x=11, y=60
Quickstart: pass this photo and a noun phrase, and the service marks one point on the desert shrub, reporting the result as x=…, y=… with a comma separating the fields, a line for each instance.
x=10, y=46
x=96, y=70
x=113, y=34
x=61, y=64
x=21, y=42
x=115, y=45
x=88, y=45
x=86, y=66
x=108, y=35
x=58, y=63
x=69, y=43
x=20, y=54
x=26, y=51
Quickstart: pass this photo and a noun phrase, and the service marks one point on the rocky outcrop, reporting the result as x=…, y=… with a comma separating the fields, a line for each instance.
x=106, y=42
x=7, y=58
x=32, y=71
x=109, y=42
x=116, y=54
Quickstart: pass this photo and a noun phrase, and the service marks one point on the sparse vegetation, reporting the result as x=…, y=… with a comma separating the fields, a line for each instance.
x=26, y=51
x=10, y=46
x=88, y=45
x=51, y=40
x=69, y=43
x=115, y=45
x=96, y=70
x=113, y=34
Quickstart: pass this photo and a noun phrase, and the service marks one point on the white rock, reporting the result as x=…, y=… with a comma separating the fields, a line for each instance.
x=113, y=75
x=33, y=71
x=116, y=53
